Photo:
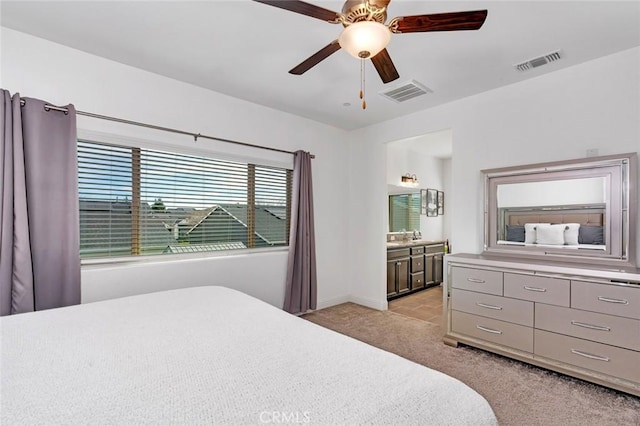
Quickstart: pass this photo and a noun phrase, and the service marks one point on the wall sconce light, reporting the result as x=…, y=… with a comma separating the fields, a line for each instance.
x=409, y=180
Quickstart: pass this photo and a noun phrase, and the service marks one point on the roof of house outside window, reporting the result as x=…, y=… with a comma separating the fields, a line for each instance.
x=167, y=230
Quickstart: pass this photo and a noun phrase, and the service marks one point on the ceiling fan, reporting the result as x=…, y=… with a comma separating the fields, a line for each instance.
x=365, y=34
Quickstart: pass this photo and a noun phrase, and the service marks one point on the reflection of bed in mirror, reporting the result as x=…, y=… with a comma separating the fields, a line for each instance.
x=563, y=227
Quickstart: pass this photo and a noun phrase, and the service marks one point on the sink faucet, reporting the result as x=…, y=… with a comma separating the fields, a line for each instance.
x=405, y=236
x=417, y=234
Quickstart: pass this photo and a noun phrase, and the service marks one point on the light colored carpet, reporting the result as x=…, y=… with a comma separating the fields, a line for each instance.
x=519, y=394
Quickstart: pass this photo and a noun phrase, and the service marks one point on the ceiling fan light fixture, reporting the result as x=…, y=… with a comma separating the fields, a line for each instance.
x=364, y=39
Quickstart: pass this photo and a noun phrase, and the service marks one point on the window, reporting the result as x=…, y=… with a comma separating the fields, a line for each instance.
x=137, y=201
x=404, y=212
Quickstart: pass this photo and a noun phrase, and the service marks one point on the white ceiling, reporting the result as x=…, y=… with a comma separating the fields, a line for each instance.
x=244, y=49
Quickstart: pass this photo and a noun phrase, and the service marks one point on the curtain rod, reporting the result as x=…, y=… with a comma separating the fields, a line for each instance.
x=195, y=136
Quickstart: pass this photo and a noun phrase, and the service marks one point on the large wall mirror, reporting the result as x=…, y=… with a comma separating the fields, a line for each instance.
x=579, y=210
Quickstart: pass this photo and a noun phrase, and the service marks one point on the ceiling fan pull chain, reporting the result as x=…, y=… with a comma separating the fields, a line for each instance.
x=362, y=82
x=361, y=78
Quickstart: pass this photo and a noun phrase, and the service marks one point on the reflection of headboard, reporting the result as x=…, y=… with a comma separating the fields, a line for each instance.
x=591, y=218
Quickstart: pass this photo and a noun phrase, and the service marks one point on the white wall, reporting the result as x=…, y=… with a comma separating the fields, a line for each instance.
x=398, y=166
x=446, y=184
x=557, y=116
x=429, y=170
x=432, y=177
x=60, y=75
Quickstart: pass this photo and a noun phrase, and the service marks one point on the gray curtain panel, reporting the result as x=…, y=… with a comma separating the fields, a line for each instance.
x=39, y=256
x=301, y=287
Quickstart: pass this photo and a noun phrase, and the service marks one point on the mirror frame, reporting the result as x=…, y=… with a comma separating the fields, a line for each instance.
x=620, y=215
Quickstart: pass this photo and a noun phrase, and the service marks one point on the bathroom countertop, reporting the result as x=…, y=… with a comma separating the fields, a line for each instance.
x=412, y=243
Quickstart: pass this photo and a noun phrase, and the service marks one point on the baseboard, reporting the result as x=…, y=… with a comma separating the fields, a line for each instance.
x=380, y=305
x=321, y=304
x=369, y=303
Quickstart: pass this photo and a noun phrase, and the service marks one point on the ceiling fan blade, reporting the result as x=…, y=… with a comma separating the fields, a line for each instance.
x=303, y=8
x=454, y=21
x=316, y=58
x=384, y=65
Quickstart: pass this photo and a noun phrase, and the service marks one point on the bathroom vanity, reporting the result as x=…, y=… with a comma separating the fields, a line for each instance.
x=412, y=266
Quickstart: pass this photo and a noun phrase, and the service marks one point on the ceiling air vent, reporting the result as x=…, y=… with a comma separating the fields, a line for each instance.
x=539, y=61
x=406, y=91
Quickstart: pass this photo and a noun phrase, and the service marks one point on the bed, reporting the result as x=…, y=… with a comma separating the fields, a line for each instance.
x=211, y=355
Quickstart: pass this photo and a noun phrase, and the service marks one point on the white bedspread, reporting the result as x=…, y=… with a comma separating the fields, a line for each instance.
x=211, y=355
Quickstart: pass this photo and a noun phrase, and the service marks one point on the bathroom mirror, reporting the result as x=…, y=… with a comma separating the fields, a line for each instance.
x=404, y=212
x=581, y=210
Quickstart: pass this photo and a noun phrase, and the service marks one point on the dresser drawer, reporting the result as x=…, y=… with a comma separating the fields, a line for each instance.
x=554, y=291
x=594, y=356
x=493, y=330
x=609, y=299
x=479, y=280
x=609, y=329
x=487, y=305
x=417, y=263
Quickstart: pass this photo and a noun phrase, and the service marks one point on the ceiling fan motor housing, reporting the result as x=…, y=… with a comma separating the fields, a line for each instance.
x=357, y=10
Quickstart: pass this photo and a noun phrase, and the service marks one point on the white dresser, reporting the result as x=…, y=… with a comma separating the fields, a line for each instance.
x=568, y=318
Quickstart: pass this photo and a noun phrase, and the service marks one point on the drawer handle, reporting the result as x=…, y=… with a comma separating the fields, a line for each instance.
x=488, y=330
x=399, y=263
x=482, y=305
x=476, y=280
x=606, y=299
x=538, y=289
x=590, y=356
x=592, y=327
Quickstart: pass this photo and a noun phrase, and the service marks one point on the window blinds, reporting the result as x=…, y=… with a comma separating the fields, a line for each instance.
x=137, y=201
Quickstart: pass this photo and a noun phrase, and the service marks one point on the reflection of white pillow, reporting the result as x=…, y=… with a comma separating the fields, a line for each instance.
x=530, y=232
x=550, y=234
x=571, y=234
